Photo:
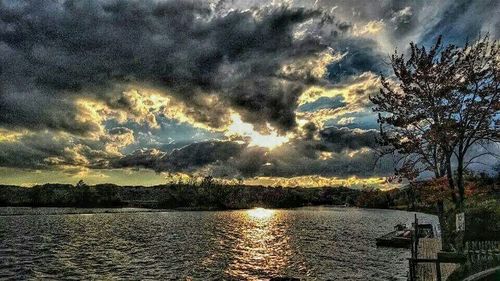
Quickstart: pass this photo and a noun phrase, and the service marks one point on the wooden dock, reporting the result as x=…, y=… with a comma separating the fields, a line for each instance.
x=428, y=249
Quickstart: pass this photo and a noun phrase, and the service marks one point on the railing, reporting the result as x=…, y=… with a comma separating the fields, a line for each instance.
x=476, y=256
x=478, y=259
x=482, y=254
x=476, y=251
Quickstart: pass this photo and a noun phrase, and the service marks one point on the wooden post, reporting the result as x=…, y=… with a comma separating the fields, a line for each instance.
x=415, y=232
x=438, y=271
x=410, y=266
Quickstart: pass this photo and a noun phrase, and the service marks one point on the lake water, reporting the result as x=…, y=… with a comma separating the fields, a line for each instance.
x=123, y=244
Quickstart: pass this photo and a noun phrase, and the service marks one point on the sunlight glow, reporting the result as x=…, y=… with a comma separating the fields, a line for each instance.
x=260, y=213
x=240, y=128
x=10, y=136
x=319, y=181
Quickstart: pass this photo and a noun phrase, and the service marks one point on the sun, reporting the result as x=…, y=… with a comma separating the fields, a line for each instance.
x=240, y=128
x=260, y=213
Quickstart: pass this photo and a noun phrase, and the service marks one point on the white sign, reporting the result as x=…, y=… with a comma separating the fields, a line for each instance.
x=460, y=221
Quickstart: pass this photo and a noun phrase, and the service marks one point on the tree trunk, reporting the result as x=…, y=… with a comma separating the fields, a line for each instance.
x=451, y=182
x=445, y=237
x=460, y=180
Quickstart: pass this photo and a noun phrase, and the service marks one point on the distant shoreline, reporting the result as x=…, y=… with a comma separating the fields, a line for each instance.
x=208, y=197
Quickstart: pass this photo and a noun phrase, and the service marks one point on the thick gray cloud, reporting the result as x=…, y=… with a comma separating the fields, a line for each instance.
x=185, y=159
x=349, y=152
x=184, y=47
x=36, y=111
x=464, y=20
x=199, y=154
x=50, y=149
x=30, y=152
x=337, y=140
x=191, y=48
x=248, y=56
x=144, y=158
x=328, y=152
x=361, y=55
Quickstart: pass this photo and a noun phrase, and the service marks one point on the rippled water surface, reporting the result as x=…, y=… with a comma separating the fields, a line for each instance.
x=308, y=243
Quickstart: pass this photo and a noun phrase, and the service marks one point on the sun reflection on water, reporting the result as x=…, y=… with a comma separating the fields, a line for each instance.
x=260, y=213
x=262, y=248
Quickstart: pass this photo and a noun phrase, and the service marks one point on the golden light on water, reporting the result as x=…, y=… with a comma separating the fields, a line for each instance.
x=262, y=248
x=260, y=213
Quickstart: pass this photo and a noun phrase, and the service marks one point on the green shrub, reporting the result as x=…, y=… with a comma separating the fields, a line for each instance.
x=482, y=220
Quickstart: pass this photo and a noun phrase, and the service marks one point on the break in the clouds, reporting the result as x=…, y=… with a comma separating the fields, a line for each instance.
x=242, y=89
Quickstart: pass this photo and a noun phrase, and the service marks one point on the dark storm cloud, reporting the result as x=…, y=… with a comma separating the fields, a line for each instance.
x=199, y=154
x=403, y=20
x=420, y=21
x=36, y=111
x=349, y=152
x=299, y=157
x=401, y=16
x=465, y=20
x=53, y=53
x=310, y=130
x=144, y=158
x=268, y=99
x=48, y=149
x=30, y=152
x=340, y=165
x=340, y=139
x=361, y=55
x=62, y=47
x=185, y=159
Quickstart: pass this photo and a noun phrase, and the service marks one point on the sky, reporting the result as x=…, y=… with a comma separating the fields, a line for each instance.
x=260, y=92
